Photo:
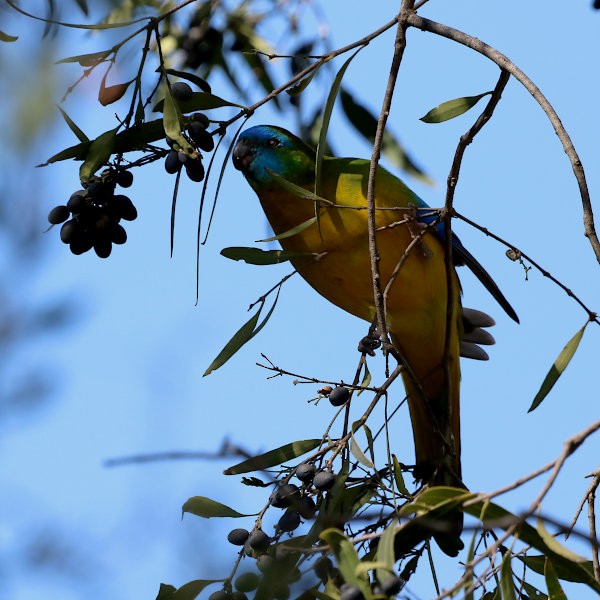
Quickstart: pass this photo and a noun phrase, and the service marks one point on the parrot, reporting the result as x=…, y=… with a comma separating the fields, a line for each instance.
x=417, y=300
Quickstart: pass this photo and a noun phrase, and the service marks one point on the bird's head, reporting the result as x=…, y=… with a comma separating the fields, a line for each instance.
x=266, y=149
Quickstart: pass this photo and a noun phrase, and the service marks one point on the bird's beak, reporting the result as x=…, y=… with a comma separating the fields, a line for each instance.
x=243, y=155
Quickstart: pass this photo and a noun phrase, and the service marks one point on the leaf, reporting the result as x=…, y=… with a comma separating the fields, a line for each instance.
x=192, y=77
x=555, y=546
x=83, y=6
x=534, y=593
x=256, y=256
x=190, y=590
x=296, y=190
x=327, y=111
x=87, y=60
x=78, y=133
x=399, y=478
x=385, y=551
x=165, y=592
x=557, y=369
x=507, y=584
x=4, y=37
x=369, y=437
x=290, y=232
x=452, y=108
x=359, y=454
x=198, y=101
x=562, y=569
x=109, y=94
x=366, y=381
x=201, y=506
x=173, y=122
x=347, y=558
x=98, y=154
x=244, y=334
x=274, y=457
x=297, y=89
x=366, y=124
x=555, y=591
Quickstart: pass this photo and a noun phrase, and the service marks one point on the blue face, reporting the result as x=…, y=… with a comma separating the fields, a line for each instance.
x=264, y=149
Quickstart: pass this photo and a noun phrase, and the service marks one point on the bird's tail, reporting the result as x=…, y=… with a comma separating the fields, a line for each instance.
x=434, y=402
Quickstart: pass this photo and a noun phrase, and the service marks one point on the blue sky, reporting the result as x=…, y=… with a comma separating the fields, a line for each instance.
x=129, y=372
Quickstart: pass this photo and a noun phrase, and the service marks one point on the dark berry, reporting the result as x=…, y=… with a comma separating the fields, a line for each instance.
x=201, y=118
x=285, y=495
x=200, y=136
x=182, y=157
x=219, y=595
x=391, y=585
x=81, y=245
x=265, y=562
x=172, y=162
x=77, y=201
x=289, y=521
x=125, y=208
x=259, y=540
x=350, y=592
x=323, y=568
x=194, y=169
x=305, y=472
x=100, y=192
x=118, y=235
x=238, y=537
x=69, y=231
x=181, y=90
x=247, y=582
x=307, y=507
x=339, y=396
x=281, y=591
x=103, y=248
x=324, y=480
x=125, y=178
x=238, y=596
x=59, y=214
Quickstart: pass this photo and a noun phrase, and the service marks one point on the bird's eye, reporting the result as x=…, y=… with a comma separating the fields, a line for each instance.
x=274, y=143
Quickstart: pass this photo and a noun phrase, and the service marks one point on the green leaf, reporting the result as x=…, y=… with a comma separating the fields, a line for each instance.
x=327, y=111
x=563, y=569
x=290, y=232
x=366, y=124
x=4, y=37
x=274, y=457
x=192, y=589
x=297, y=89
x=452, y=108
x=201, y=506
x=347, y=558
x=399, y=478
x=298, y=191
x=98, y=154
x=165, y=592
x=198, y=101
x=555, y=546
x=78, y=133
x=366, y=381
x=557, y=369
x=256, y=256
x=385, y=551
x=173, y=122
x=369, y=437
x=555, y=591
x=359, y=454
x=244, y=334
x=507, y=584
x=87, y=60
x=533, y=592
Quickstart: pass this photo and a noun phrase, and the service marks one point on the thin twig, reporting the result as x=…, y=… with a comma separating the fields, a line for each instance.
x=504, y=63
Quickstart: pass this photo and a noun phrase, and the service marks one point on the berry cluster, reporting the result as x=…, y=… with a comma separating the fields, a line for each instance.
x=196, y=133
x=201, y=43
x=91, y=216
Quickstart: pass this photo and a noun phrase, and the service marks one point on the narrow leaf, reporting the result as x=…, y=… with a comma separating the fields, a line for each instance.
x=533, y=592
x=243, y=335
x=98, y=154
x=290, y=232
x=192, y=589
x=256, y=256
x=165, y=591
x=555, y=591
x=298, y=191
x=359, y=454
x=366, y=381
x=86, y=60
x=83, y=6
x=507, y=584
x=399, y=478
x=303, y=83
x=452, y=108
x=78, y=133
x=385, y=551
x=565, y=570
x=207, y=508
x=327, y=111
x=173, y=122
x=555, y=545
x=557, y=369
x=274, y=457
x=4, y=37
x=198, y=101
x=347, y=558
x=369, y=437
x=192, y=77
